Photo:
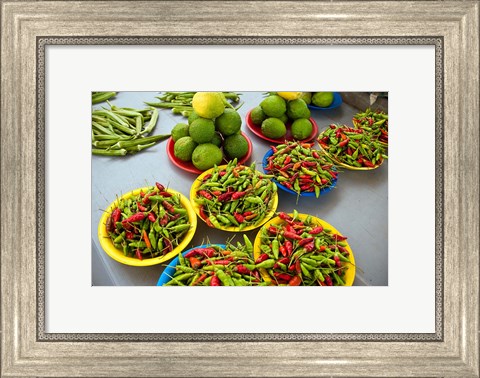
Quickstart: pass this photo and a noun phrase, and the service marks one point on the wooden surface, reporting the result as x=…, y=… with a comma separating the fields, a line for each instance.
x=456, y=354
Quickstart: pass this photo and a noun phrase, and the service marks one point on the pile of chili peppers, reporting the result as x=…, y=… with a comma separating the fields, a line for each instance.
x=235, y=196
x=301, y=169
x=149, y=224
x=301, y=252
x=214, y=265
x=373, y=122
x=353, y=147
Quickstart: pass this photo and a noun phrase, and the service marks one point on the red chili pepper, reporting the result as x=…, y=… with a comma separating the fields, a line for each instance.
x=151, y=217
x=116, y=215
x=295, y=281
x=159, y=186
x=218, y=262
x=284, y=260
x=283, y=250
x=166, y=194
x=291, y=268
x=368, y=163
x=200, y=279
x=129, y=235
x=140, y=207
x=273, y=230
x=315, y=155
x=286, y=167
x=315, y=230
x=164, y=220
x=222, y=173
x=285, y=216
x=298, y=268
x=205, y=194
x=274, y=149
x=291, y=235
x=135, y=218
x=322, y=248
x=332, y=126
x=289, y=246
x=306, y=187
x=142, y=194
x=138, y=254
x=261, y=258
x=337, y=261
x=309, y=247
x=328, y=280
x=207, y=176
x=287, y=160
x=239, y=217
x=168, y=207
x=215, y=281
x=282, y=276
x=207, y=252
x=339, y=237
x=247, y=213
x=243, y=270
x=343, y=143
x=250, y=217
x=288, y=185
x=308, y=164
x=169, y=246
x=225, y=196
x=237, y=195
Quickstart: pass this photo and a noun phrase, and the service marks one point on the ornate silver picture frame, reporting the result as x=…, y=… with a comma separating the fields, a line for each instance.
x=451, y=27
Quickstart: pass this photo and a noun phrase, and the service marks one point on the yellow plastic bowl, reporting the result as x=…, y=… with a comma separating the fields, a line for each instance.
x=193, y=191
x=118, y=255
x=344, y=165
x=349, y=273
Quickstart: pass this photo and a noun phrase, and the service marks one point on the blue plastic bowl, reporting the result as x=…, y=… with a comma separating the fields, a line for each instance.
x=284, y=188
x=170, y=268
x=337, y=101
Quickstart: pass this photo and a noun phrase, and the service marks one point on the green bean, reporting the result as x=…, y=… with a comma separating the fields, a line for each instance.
x=98, y=97
x=121, y=152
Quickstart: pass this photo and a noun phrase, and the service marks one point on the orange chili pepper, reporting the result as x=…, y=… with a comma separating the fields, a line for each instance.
x=146, y=239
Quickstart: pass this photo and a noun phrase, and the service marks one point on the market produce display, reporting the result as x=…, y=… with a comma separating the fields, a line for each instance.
x=154, y=224
x=300, y=169
x=374, y=123
x=282, y=116
x=352, y=148
x=146, y=224
x=120, y=131
x=234, y=197
x=299, y=249
x=215, y=265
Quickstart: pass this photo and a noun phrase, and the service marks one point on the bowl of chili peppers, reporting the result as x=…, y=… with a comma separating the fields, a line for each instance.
x=303, y=250
x=147, y=226
x=300, y=170
x=352, y=148
x=234, y=197
x=213, y=265
x=374, y=122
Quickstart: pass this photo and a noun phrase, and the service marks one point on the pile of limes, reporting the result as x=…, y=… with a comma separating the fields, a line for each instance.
x=213, y=126
x=279, y=110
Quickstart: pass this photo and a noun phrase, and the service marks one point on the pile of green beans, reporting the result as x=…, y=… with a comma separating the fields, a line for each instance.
x=235, y=196
x=300, y=168
x=118, y=131
x=353, y=147
x=98, y=97
x=302, y=252
x=373, y=122
x=149, y=224
x=214, y=265
x=181, y=102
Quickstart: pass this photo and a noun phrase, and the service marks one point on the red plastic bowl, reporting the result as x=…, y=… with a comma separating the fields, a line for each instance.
x=288, y=136
x=188, y=165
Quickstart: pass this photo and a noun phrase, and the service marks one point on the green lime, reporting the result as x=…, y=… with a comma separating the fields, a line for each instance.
x=229, y=122
x=301, y=128
x=179, y=130
x=297, y=109
x=184, y=147
x=202, y=130
x=235, y=146
x=217, y=139
x=322, y=99
x=284, y=118
x=192, y=117
x=206, y=155
x=274, y=106
x=257, y=115
x=307, y=97
x=273, y=128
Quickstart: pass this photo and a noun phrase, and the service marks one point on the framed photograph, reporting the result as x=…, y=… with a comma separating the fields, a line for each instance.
x=68, y=310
